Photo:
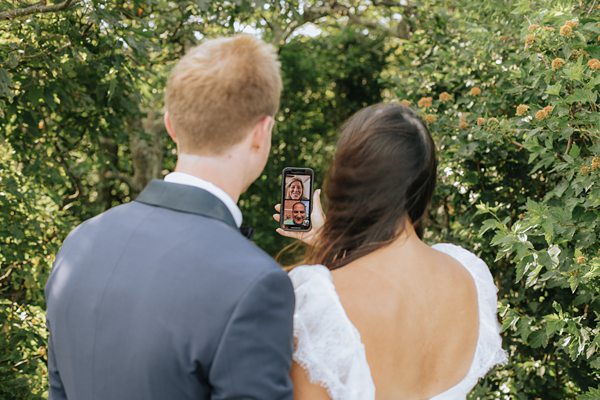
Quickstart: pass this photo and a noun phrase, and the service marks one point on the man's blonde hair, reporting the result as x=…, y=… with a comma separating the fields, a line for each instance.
x=219, y=90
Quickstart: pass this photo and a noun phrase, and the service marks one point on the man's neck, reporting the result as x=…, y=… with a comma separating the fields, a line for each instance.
x=220, y=171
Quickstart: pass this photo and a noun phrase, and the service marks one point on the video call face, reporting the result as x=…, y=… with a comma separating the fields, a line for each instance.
x=296, y=200
x=298, y=213
x=295, y=187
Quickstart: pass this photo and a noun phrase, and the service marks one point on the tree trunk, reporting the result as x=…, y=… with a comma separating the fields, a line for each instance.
x=147, y=147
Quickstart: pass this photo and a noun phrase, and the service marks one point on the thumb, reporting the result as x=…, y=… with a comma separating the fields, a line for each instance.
x=317, y=199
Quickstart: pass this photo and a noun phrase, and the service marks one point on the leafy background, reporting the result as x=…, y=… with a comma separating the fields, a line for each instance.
x=509, y=89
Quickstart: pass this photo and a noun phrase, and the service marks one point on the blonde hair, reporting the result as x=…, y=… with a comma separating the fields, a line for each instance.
x=289, y=188
x=221, y=89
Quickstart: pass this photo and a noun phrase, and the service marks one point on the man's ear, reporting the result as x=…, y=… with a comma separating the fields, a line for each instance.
x=169, y=127
x=261, y=135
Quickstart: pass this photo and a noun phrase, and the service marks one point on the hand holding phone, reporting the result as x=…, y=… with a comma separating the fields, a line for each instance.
x=317, y=218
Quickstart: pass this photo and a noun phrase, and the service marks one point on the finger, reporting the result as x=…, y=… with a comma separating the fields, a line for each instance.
x=317, y=199
x=282, y=232
x=317, y=210
x=278, y=207
x=276, y=217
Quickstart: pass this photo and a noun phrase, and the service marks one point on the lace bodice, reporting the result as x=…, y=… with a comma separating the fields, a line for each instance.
x=329, y=347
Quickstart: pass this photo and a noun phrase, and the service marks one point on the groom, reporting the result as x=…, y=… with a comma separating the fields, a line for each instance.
x=163, y=298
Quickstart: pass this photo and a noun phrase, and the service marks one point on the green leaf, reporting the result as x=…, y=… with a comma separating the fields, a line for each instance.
x=522, y=267
x=12, y=60
x=591, y=351
x=5, y=83
x=560, y=189
x=490, y=224
x=553, y=324
x=533, y=275
x=591, y=394
x=538, y=338
x=582, y=96
x=548, y=226
x=554, y=90
x=523, y=328
x=575, y=151
x=574, y=72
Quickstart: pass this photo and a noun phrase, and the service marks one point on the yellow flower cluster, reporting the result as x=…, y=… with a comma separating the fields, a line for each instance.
x=572, y=23
x=425, y=102
x=584, y=170
x=557, y=63
x=475, y=91
x=594, y=63
x=566, y=30
x=529, y=39
x=445, y=96
x=522, y=109
x=595, y=163
x=580, y=260
x=543, y=113
x=430, y=118
x=405, y=103
x=480, y=121
x=462, y=123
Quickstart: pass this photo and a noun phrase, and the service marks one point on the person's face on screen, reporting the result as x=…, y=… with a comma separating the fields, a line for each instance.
x=296, y=190
x=298, y=213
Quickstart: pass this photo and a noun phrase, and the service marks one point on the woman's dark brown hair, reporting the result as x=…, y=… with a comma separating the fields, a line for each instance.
x=383, y=176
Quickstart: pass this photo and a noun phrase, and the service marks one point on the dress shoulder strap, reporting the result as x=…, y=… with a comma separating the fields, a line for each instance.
x=489, y=350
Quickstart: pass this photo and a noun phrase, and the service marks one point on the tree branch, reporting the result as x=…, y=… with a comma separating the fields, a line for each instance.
x=36, y=9
x=7, y=274
x=68, y=199
x=519, y=145
x=569, y=145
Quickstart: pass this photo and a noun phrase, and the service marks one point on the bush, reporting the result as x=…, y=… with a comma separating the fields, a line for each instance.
x=516, y=120
x=509, y=90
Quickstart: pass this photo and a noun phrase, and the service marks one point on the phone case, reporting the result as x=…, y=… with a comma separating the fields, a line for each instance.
x=306, y=199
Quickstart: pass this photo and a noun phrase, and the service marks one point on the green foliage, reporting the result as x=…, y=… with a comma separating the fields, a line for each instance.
x=23, y=351
x=593, y=394
x=28, y=242
x=522, y=189
x=80, y=131
x=554, y=245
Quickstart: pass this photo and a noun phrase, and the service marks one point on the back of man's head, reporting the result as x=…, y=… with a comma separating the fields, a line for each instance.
x=219, y=90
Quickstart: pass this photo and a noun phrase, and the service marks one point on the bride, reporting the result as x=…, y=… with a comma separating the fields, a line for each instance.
x=380, y=314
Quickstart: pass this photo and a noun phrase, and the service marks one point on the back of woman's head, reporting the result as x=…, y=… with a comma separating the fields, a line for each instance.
x=382, y=178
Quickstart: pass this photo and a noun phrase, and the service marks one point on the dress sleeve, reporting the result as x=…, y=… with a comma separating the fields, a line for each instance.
x=327, y=345
x=489, y=350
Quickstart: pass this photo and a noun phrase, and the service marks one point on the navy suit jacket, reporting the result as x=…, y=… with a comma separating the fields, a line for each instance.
x=163, y=298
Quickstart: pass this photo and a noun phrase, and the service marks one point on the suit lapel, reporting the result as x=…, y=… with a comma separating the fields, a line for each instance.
x=185, y=198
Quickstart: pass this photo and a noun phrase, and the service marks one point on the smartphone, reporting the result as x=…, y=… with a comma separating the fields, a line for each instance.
x=296, y=199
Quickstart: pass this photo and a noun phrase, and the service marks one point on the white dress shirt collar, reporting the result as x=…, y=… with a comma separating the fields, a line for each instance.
x=187, y=179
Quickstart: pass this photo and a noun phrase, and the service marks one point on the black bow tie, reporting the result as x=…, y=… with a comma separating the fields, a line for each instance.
x=247, y=231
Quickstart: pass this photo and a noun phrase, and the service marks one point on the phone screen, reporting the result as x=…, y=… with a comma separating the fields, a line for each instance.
x=296, y=202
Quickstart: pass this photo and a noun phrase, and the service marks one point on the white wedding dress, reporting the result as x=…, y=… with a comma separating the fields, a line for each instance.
x=329, y=347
